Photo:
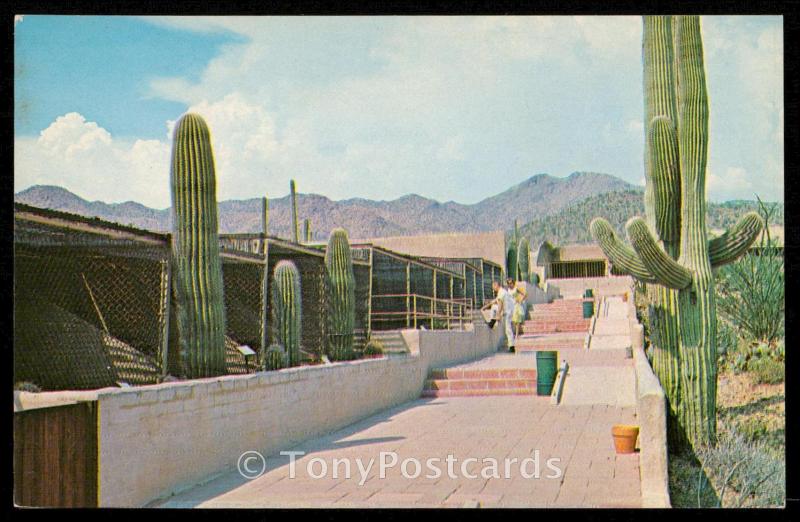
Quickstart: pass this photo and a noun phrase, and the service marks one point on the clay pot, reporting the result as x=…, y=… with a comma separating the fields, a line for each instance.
x=625, y=437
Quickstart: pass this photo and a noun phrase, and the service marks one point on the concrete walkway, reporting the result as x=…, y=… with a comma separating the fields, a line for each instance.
x=571, y=442
x=497, y=428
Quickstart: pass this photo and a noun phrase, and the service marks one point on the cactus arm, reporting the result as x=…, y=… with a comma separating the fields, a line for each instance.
x=733, y=243
x=666, y=270
x=663, y=147
x=621, y=255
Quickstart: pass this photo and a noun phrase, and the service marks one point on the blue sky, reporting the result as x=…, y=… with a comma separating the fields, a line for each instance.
x=454, y=108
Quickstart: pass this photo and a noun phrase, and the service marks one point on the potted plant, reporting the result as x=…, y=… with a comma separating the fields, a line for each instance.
x=625, y=436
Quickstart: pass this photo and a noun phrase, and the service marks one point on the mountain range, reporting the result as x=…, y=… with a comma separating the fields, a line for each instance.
x=540, y=195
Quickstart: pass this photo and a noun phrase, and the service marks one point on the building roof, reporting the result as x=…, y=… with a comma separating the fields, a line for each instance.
x=548, y=253
x=486, y=245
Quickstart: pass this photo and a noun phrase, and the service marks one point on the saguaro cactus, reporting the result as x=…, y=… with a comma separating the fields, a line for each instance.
x=523, y=259
x=307, y=230
x=678, y=260
x=265, y=216
x=295, y=225
x=341, y=295
x=287, y=309
x=511, y=259
x=197, y=277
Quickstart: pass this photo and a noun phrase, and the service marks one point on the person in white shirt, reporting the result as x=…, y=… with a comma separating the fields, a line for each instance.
x=508, y=296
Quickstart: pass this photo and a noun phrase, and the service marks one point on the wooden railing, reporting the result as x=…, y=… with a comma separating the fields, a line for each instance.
x=414, y=310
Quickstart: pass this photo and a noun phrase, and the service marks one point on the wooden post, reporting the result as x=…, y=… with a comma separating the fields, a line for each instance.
x=450, y=304
x=265, y=299
x=408, y=294
x=433, y=301
x=166, y=292
x=369, y=298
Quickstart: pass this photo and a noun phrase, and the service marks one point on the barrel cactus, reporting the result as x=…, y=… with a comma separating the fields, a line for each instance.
x=295, y=225
x=197, y=275
x=274, y=358
x=670, y=250
x=341, y=295
x=523, y=259
x=287, y=309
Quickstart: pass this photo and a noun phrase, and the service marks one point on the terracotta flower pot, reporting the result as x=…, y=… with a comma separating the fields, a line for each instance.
x=625, y=437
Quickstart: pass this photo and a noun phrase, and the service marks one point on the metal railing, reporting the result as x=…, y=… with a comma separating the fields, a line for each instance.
x=414, y=310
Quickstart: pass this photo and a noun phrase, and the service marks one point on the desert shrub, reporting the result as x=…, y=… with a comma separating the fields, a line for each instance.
x=744, y=473
x=750, y=291
x=27, y=386
x=767, y=370
x=373, y=347
x=753, y=429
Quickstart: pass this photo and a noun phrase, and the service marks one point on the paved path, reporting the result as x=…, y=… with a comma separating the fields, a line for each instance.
x=480, y=427
x=599, y=392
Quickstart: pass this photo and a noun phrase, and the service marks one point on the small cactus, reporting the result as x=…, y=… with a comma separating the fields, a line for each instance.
x=287, y=309
x=307, y=230
x=265, y=216
x=274, y=358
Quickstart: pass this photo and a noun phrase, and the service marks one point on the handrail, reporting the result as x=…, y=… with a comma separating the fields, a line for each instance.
x=416, y=307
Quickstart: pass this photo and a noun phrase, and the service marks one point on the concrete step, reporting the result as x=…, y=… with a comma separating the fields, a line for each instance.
x=478, y=393
x=483, y=373
x=478, y=384
x=465, y=382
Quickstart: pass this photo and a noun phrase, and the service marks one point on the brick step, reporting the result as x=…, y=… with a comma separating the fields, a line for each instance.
x=523, y=347
x=562, y=325
x=483, y=373
x=479, y=384
x=478, y=393
x=553, y=330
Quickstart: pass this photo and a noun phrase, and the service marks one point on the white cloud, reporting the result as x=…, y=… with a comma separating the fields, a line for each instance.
x=735, y=183
x=84, y=158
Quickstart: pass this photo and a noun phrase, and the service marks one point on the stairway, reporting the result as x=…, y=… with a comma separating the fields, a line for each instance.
x=392, y=340
x=460, y=382
x=563, y=315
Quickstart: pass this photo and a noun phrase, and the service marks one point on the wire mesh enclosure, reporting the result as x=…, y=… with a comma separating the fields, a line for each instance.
x=90, y=301
x=410, y=293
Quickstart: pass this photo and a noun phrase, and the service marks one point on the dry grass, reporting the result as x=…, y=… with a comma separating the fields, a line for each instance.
x=747, y=468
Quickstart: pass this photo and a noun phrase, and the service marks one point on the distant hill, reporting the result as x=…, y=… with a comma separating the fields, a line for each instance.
x=571, y=224
x=540, y=195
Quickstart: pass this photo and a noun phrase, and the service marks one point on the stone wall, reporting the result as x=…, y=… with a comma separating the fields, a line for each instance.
x=156, y=440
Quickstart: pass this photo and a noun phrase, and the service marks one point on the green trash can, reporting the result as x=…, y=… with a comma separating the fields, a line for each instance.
x=588, y=293
x=588, y=309
x=545, y=372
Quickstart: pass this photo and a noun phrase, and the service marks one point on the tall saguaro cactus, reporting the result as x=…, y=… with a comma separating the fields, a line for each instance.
x=265, y=216
x=307, y=230
x=341, y=297
x=523, y=259
x=671, y=250
x=287, y=309
x=195, y=249
x=295, y=225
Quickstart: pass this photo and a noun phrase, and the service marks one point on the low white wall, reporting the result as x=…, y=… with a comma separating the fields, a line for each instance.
x=602, y=286
x=156, y=440
x=651, y=406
